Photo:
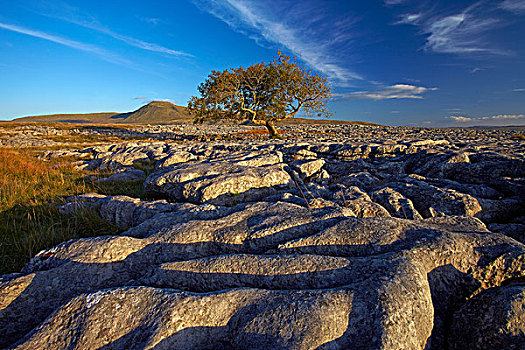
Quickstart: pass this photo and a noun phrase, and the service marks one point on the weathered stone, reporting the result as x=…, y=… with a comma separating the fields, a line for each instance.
x=362, y=180
x=122, y=211
x=494, y=319
x=175, y=158
x=316, y=264
x=501, y=211
x=341, y=193
x=224, y=181
x=376, y=268
x=396, y=204
x=127, y=175
x=307, y=168
x=434, y=201
x=485, y=169
x=366, y=209
x=475, y=190
x=514, y=230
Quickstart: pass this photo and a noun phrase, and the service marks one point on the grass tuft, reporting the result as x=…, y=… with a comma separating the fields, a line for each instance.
x=30, y=192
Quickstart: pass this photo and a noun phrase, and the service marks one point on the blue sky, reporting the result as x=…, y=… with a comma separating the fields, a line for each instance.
x=395, y=62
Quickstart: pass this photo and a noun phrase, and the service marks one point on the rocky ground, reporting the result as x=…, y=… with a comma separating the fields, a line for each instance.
x=335, y=237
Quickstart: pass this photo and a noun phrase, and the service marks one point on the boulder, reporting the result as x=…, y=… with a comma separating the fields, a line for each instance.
x=274, y=275
x=223, y=181
x=307, y=168
x=514, y=230
x=432, y=201
x=396, y=204
x=175, y=158
x=493, y=319
x=340, y=257
x=126, y=175
x=363, y=180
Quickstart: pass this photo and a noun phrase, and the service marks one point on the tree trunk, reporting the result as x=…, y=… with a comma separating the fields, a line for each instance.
x=274, y=134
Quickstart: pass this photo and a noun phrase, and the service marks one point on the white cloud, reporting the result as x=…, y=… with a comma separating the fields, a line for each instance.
x=508, y=116
x=457, y=33
x=106, y=55
x=499, y=117
x=147, y=100
x=393, y=2
x=461, y=118
x=300, y=31
x=68, y=13
x=398, y=91
x=513, y=5
x=144, y=45
x=164, y=100
x=409, y=18
x=519, y=90
x=151, y=20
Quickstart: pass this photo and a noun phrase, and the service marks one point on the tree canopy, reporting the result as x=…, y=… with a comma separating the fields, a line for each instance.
x=263, y=93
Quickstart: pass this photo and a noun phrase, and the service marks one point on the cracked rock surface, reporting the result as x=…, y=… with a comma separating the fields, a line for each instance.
x=395, y=239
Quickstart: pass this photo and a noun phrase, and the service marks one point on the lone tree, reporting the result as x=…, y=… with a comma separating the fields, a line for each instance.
x=263, y=93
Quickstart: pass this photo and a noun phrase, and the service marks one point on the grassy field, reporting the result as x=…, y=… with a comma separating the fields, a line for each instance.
x=31, y=191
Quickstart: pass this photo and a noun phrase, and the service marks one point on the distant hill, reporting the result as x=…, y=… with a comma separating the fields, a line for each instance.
x=155, y=112
x=96, y=118
x=506, y=127
x=302, y=121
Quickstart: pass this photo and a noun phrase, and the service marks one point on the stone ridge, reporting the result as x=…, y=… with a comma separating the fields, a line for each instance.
x=411, y=243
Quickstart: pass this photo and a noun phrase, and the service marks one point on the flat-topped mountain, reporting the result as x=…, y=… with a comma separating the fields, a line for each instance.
x=155, y=112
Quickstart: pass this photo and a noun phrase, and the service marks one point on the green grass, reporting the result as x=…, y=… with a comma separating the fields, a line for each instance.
x=30, y=193
x=128, y=188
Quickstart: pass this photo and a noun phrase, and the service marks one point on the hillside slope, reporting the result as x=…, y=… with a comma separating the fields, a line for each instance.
x=97, y=118
x=157, y=112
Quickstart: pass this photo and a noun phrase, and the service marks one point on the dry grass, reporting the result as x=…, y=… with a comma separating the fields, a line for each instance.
x=254, y=132
x=71, y=137
x=518, y=137
x=67, y=126
x=30, y=192
x=261, y=132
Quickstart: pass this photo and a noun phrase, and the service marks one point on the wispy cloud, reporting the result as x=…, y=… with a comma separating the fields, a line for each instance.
x=519, y=90
x=68, y=13
x=398, y=91
x=302, y=31
x=151, y=20
x=394, y=2
x=499, y=117
x=165, y=100
x=460, y=118
x=458, y=32
x=513, y=5
x=144, y=45
x=149, y=100
x=409, y=18
x=92, y=49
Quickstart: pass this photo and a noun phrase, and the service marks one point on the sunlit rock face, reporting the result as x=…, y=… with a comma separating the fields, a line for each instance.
x=375, y=238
